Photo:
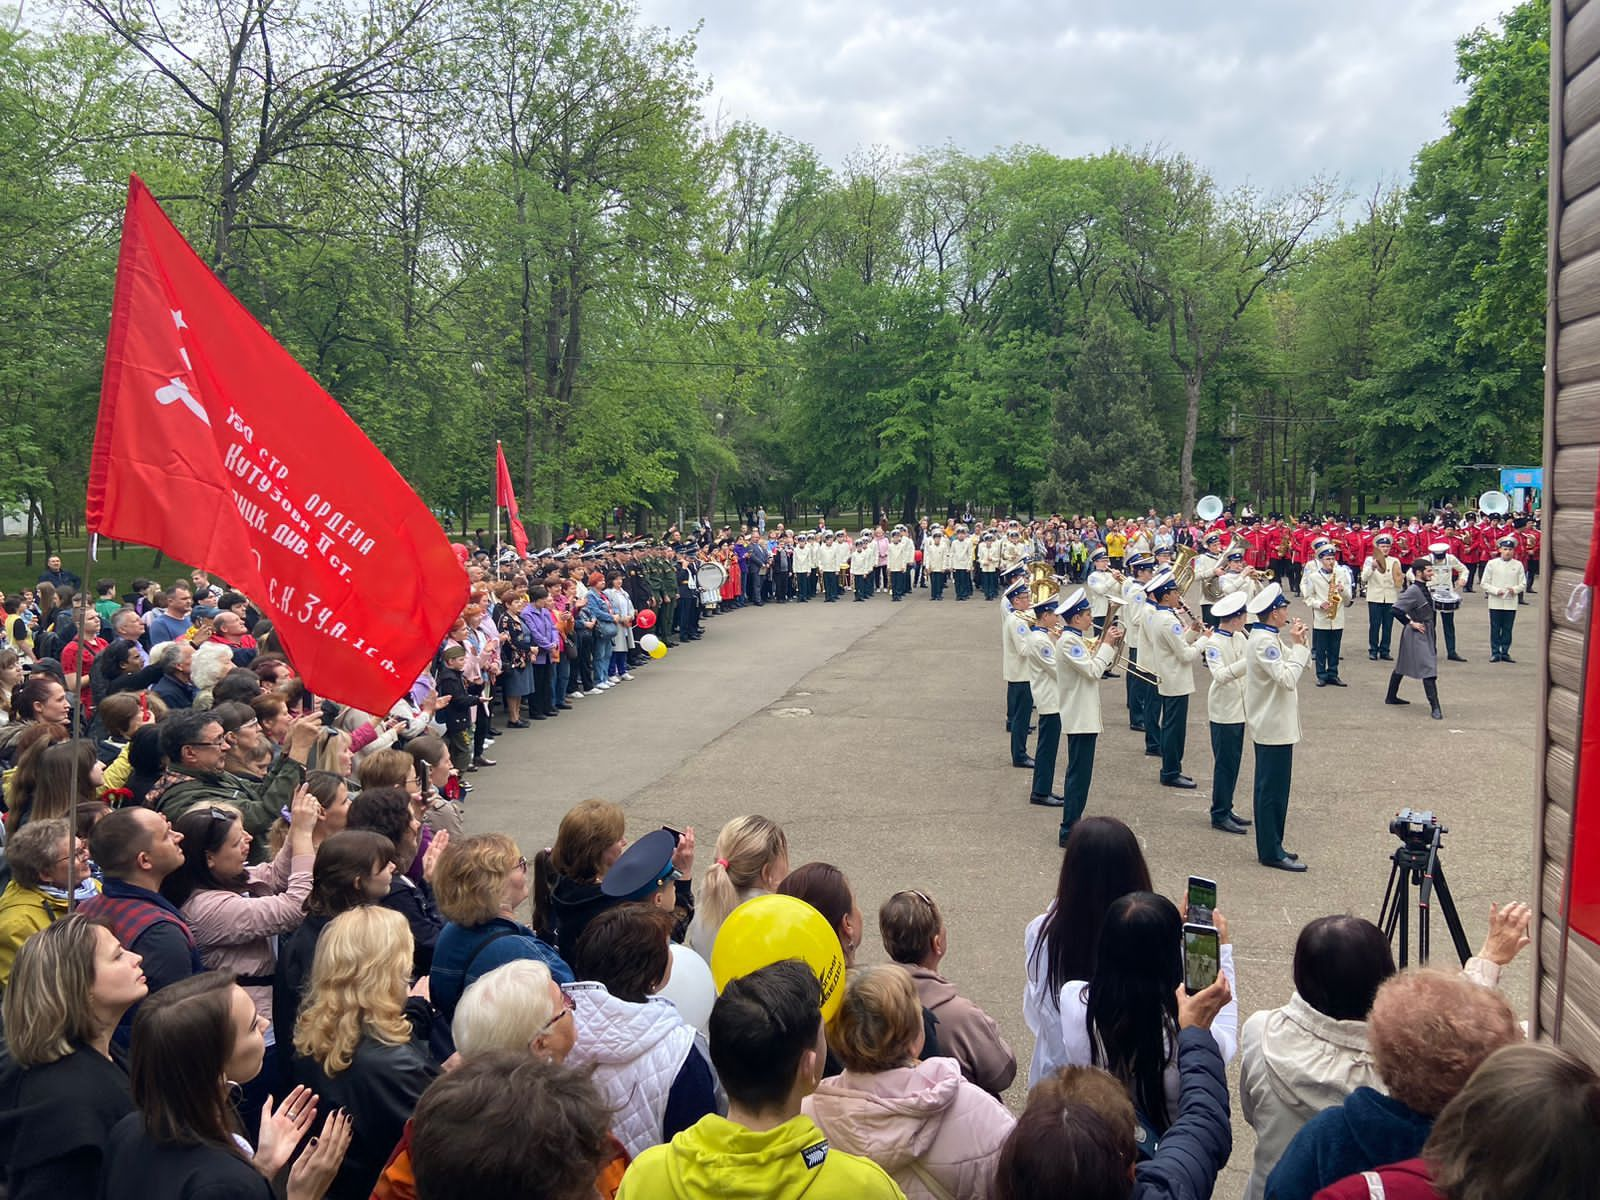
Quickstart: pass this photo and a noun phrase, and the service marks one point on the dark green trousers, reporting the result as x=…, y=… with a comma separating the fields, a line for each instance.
x=1274, y=773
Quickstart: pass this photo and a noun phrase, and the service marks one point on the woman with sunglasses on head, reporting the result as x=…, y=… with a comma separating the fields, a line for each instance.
x=237, y=912
x=195, y=1043
x=479, y=884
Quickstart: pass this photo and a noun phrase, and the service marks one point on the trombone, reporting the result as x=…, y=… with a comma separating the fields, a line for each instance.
x=1117, y=659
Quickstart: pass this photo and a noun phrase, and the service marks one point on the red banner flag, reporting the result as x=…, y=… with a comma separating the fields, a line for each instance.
x=507, y=499
x=216, y=447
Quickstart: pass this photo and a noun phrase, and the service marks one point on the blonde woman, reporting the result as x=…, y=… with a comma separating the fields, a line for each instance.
x=752, y=859
x=360, y=1040
x=478, y=884
x=936, y=1134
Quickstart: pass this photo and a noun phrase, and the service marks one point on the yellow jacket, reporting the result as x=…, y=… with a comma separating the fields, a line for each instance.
x=715, y=1159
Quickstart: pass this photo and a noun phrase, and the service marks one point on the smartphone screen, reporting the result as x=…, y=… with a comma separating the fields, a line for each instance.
x=1202, y=899
x=1202, y=957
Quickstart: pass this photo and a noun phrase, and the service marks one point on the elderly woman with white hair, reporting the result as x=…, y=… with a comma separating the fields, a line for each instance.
x=516, y=1008
x=212, y=660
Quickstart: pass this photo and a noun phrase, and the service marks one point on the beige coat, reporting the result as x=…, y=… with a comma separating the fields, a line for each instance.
x=1040, y=653
x=1078, y=675
x=1014, y=630
x=1271, y=701
x=1166, y=648
x=1383, y=587
x=1504, y=577
x=1225, y=659
x=1099, y=585
x=966, y=1033
x=1317, y=585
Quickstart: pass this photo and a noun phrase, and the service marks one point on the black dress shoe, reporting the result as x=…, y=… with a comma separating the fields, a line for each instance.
x=1152, y=753
x=1243, y=821
x=1338, y=683
x=1112, y=675
x=1178, y=781
x=481, y=761
x=1047, y=801
x=1286, y=864
x=1322, y=683
x=1385, y=658
x=493, y=732
x=519, y=724
x=1372, y=656
x=1025, y=761
x=1137, y=728
x=1454, y=658
x=1436, y=714
x=1507, y=658
x=1229, y=825
x=541, y=716
x=1395, y=700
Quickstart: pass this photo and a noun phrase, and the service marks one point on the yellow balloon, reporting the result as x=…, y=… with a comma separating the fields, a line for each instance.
x=769, y=929
x=660, y=650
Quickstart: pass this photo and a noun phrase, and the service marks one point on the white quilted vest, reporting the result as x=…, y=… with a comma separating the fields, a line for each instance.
x=636, y=1051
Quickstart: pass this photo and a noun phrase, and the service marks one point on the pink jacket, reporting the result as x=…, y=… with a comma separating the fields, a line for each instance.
x=235, y=930
x=917, y=1123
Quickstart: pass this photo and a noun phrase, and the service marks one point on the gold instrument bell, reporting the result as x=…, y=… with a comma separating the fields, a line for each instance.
x=1043, y=583
x=1183, y=567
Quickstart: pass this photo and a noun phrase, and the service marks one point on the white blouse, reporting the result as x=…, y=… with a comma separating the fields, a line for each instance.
x=1074, y=1028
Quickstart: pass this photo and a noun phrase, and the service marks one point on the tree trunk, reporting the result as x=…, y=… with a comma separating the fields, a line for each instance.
x=1193, y=381
x=908, y=511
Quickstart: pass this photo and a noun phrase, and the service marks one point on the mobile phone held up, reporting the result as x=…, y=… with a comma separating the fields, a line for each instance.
x=1202, y=899
x=1202, y=957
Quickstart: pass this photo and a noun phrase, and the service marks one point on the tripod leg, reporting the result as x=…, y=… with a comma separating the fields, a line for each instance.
x=1387, y=910
x=1401, y=917
x=1452, y=919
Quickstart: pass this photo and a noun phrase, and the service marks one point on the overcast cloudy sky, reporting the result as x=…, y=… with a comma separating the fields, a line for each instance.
x=1261, y=91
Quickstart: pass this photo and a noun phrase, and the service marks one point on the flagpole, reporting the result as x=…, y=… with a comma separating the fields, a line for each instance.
x=78, y=730
x=499, y=451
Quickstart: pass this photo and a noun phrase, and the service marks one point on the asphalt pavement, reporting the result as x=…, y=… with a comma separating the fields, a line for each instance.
x=875, y=734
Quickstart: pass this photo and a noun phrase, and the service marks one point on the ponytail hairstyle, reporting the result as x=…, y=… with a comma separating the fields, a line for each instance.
x=746, y=848
x=590, y=828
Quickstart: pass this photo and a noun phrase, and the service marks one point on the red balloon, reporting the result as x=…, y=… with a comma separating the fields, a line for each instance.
x=646, y=618
x=918, y=556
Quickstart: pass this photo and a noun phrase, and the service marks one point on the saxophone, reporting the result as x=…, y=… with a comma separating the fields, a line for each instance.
x=1335, y=598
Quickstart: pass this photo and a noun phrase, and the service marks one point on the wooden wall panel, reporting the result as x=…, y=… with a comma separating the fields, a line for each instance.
x=1578, y=347
x=1579, y=290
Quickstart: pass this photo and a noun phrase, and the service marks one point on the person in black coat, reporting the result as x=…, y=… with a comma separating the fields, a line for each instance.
x=63, y=1091
x=377, y=1074
x=1080, y=1134
x=387, y=810
x=183, y=1142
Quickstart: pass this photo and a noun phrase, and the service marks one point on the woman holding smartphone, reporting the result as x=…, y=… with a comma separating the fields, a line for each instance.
x=1125, y=1018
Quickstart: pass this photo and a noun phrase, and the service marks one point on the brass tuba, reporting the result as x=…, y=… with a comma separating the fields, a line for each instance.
x=1042, y=581
x=1183, y=567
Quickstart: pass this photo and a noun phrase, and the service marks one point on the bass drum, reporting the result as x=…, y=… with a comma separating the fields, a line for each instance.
x=709, y=578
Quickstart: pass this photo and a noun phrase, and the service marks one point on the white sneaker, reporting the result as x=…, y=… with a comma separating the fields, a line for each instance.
x=594, y=691
x=574, y=696
x=626, y=675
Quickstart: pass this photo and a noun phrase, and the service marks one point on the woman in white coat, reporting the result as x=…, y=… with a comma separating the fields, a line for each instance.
x=1311, y=1053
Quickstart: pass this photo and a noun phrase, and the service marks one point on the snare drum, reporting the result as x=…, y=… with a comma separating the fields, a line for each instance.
x=709, y=578
x=1447, y=601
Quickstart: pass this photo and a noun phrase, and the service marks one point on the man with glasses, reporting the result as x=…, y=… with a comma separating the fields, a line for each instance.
x=196, y=750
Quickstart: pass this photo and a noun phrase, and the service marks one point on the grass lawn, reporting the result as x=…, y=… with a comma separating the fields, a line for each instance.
x=130, y=561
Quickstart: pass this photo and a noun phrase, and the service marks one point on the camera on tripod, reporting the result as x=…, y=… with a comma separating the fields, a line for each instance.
x=1415, y=865
x=1417, y=829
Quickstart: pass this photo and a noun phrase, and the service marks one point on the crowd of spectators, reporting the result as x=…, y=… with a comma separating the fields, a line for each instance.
x=250, y=946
